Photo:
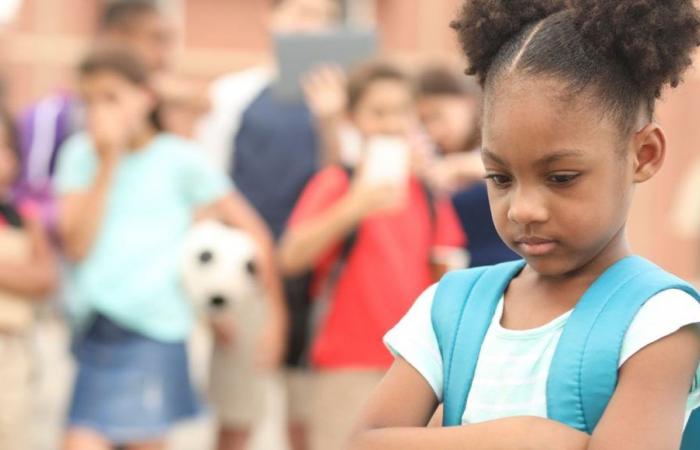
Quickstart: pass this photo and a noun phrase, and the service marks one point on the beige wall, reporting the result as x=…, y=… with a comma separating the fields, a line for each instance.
x=39, y=50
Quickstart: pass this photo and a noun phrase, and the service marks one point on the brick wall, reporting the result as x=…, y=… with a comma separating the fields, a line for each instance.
x=39, y=50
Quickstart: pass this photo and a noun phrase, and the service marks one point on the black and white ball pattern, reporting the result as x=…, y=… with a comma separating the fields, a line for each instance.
x=218, y=267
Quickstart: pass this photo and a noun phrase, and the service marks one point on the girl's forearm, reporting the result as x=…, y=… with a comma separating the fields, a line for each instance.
x=515, y=433
x=303, y=245
x=36, y=277
x=84, y=218
x=329, y=133
x=27, y=280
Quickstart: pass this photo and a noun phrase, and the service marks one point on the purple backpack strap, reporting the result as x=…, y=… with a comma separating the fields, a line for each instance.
x=43, y=128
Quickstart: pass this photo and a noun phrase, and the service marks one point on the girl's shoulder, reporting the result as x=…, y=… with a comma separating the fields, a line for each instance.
x=334, y=178
x=78, y=145
x=177, y=147
x=662, y=315
x=172, y=142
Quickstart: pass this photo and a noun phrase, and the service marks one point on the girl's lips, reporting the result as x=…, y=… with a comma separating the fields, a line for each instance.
x=536, y=246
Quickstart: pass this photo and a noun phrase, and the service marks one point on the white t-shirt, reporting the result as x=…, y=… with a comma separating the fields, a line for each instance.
x=511, y=374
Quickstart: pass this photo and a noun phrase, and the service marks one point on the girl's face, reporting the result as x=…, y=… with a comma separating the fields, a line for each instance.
x=8, y=162
x=387, y=107
x=560, y=175
x=450, y=120
x=130, y=104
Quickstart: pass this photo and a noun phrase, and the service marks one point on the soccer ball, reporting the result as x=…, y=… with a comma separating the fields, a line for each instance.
x=218, y=268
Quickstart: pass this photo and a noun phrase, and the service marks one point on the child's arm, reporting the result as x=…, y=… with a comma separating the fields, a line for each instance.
x=81, y=213
x=36, y=278
x=404, y=402
x=646, y=412
x=325, y=90
x=236, y=211
x=303, y=245
x=456, y=171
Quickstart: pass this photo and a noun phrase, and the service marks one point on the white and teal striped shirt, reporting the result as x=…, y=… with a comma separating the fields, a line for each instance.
x=511, y=374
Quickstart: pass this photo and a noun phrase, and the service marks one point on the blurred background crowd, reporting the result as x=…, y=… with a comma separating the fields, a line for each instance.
x=124, y=122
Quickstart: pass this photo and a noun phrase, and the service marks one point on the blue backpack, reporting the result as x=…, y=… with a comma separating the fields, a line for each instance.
x=583, y=375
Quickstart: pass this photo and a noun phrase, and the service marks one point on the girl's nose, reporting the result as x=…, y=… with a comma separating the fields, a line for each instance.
x=527, y=207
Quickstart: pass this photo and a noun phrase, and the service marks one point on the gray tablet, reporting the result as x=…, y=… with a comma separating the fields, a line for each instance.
x=298, y=54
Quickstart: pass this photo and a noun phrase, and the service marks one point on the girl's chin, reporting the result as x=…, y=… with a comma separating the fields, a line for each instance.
x=550, y=266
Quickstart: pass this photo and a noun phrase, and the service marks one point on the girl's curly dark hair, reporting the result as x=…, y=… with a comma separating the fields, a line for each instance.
x=625, y=50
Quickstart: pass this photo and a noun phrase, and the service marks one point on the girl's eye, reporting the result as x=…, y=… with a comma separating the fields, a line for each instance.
x=499, y=180
x=562, y=178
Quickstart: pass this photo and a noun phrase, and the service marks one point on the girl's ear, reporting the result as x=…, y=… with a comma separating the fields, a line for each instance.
x=649, y=152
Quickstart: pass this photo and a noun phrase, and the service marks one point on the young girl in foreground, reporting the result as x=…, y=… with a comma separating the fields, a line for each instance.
x=128, y=192
x=568, y=132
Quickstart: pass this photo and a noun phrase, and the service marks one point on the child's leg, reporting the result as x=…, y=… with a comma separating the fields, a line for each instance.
x=298, y=436
x=298, y=385
x=338, y=399
x=237, y=389
x=15, y=393
x=233, y=438
x=84, y=439
x=154, y=445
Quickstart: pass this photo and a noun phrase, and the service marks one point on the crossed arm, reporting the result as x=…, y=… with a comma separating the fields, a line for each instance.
x=646, y=412
x=36, y=277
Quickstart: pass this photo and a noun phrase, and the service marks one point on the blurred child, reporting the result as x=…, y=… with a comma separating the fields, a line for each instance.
x=270, y=148
x=449, y=106
x=145, y=27
x=582, y=344
x=370, y=245
x=27, y=272
x=128, y=192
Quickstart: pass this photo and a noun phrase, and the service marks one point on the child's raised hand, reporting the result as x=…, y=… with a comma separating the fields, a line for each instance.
x=454, y=172
x=368, y=197
x=325, y=90
x=106, y=124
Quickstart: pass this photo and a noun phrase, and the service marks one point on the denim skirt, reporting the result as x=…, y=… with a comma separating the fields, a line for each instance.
x=129, y=388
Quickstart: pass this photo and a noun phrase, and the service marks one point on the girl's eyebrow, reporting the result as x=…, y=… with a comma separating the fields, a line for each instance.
x=558, y=155
x=543, y=161
x=487, y=154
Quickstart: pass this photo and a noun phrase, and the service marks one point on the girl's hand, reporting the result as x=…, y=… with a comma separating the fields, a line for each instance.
x=367, y=197
x=454, y=172
x=422, y=152
x=107, y=125
x=326, y=92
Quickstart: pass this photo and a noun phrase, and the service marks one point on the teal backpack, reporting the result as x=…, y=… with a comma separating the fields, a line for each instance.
x=583, y=374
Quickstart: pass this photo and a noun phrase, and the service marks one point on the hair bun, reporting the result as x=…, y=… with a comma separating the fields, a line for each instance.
x=484, y=26
x=654, y=39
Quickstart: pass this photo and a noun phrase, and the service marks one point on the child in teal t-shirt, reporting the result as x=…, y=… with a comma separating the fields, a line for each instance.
x=128, y=193
x=568, y=133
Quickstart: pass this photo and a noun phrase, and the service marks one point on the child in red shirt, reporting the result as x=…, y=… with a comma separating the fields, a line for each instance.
x=395, y=226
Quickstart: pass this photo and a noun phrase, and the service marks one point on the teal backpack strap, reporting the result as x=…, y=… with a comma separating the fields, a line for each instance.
x=462, y=311
x=691, y=437
x=583, y=374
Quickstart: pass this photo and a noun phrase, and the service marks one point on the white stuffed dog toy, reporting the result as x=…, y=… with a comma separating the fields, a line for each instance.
x=219, y=268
